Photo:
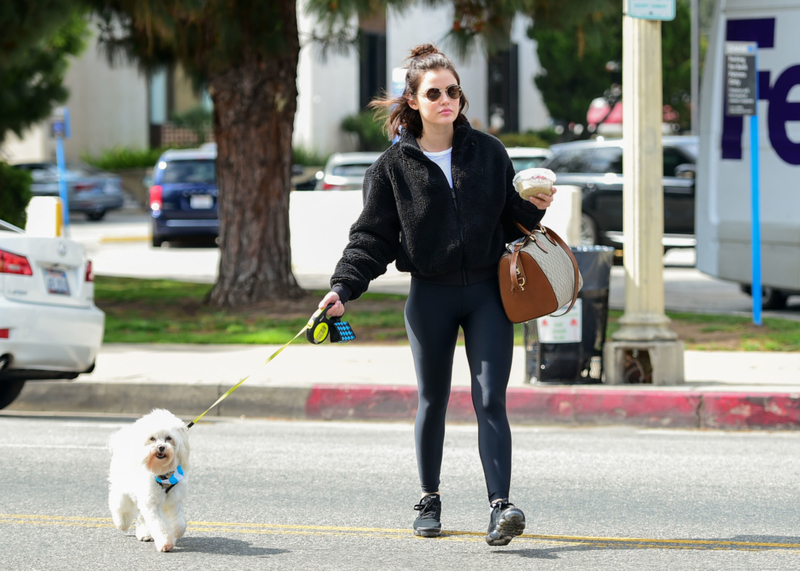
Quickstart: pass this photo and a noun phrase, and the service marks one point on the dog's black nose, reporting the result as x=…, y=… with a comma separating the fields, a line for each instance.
x=161, y=448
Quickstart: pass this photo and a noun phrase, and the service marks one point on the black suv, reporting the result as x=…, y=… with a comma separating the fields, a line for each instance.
x=596, y=168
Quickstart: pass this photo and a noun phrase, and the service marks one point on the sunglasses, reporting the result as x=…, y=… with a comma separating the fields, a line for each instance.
x=453, y=92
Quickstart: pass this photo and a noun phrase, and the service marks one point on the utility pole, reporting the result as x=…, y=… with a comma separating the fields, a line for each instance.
x=695, y=55
x=644, y=349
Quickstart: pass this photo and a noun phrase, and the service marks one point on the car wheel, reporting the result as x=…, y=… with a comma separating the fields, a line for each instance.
x=9, y=390
x=96, y=215
x=588, y=231
x=157, y=242
x=771, y=298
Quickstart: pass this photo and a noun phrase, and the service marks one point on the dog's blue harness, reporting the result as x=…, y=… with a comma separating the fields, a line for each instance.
x=169, y=480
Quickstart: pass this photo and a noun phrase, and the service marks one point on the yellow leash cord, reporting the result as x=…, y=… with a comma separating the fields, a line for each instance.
x=236, y=386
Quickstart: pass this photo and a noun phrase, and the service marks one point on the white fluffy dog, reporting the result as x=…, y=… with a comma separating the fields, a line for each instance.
x=148, y=478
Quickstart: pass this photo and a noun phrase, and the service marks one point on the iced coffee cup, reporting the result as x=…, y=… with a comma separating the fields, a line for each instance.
x=531, y=182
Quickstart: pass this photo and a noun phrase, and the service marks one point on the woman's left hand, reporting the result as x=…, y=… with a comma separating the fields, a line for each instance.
x=542, y=201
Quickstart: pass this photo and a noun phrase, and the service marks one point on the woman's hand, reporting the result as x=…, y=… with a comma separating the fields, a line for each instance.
x=338, y=307
x=542, y=201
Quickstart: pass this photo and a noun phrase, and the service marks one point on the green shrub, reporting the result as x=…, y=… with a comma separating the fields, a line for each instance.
x=307, y=157
x=369, y=132
x=15, y=194
x=120, y=158
x=197, y=119
x=529, y=139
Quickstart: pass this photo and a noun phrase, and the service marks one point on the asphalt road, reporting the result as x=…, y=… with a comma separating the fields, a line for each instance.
x=338, y=496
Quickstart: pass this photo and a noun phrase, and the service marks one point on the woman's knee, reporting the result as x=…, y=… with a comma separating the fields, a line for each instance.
x=491, y=404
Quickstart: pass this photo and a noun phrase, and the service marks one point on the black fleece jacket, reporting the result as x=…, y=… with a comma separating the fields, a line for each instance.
x=437, y=233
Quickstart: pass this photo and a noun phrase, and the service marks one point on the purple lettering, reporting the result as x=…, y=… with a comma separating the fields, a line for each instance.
x=782, y=111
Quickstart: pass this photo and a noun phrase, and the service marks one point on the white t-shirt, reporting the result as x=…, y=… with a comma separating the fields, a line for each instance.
x=443, y=159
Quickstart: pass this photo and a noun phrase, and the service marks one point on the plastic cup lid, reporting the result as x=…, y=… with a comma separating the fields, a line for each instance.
x=534, y=174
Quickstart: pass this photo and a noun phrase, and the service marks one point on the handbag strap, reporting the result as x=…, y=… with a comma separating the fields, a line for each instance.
x=513, y=268
x=553, y=237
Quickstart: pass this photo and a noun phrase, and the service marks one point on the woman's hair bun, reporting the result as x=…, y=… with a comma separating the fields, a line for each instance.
x=424, y=50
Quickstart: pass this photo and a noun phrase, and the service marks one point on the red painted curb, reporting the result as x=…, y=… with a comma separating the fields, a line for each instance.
x=744, y=410
x=571, y=405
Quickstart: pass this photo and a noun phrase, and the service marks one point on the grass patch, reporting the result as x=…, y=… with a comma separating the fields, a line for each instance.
x=165, y=311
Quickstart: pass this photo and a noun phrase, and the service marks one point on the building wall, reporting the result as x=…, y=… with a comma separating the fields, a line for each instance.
x=108, y=106
x=418, y=25
x=31, y=148
x=327, y=92
x=533, y=114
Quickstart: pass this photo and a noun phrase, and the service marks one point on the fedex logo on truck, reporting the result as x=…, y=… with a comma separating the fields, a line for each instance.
x=779, y=110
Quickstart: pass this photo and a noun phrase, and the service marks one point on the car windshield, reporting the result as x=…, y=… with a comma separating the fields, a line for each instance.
x=351, y=169
x=201, y=171
x=691, y=148
x=522, y=163
x=82, y=169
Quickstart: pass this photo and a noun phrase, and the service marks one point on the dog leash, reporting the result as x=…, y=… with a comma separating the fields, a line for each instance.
x=318, y=328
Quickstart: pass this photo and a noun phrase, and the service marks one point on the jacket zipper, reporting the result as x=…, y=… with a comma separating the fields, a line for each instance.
x=458, y=218
x=461, y=233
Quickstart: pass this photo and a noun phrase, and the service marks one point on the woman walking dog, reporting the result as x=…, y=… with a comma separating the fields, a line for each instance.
x=440, y=203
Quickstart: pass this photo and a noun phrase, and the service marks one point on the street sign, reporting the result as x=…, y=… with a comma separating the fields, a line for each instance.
x=651, y=9
x=740, y=78
x=741, y=98
x=563, y=328
x=60, y=127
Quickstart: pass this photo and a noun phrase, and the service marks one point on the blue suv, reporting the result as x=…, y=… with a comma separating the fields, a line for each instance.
x=183, y=196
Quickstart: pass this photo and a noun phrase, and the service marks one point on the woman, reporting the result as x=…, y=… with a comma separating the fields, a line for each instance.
x=440, y=203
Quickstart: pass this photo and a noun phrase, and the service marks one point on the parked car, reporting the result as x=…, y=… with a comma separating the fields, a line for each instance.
x=90, y=190
x=528, y=157
x=50, y=327
x=345, y=171
x=183, y=195
x=596, y=167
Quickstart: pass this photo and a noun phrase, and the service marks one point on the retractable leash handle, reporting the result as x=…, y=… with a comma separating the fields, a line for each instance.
x=318, y=328
x=321, y=326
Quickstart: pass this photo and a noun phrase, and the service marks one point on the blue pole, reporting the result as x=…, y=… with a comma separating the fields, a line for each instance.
x=62, y=184
x=755, y=226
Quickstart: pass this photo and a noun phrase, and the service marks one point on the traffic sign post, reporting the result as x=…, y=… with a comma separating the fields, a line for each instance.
x=650, y=9
x=60, y=129
x=741, y=99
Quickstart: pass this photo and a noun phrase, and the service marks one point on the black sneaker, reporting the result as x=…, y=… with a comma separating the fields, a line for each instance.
x=427, y=523
x=505, y=523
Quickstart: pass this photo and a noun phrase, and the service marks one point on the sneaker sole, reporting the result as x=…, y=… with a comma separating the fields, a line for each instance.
x=427, y=532
x=507, y=529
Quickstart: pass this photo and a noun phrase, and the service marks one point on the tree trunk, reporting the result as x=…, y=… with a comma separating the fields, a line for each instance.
x=254, y=108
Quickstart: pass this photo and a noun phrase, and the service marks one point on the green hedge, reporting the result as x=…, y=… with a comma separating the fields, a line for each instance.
x=120, y=158
x=305, y=156
x=369, y=132
x=529, y=139
x=15, y=194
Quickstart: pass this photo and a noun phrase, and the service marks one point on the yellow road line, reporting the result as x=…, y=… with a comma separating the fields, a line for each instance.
x=390, y=533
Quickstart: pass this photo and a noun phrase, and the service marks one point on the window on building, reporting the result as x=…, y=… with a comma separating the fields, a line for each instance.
x=372, y=58
x=503, y=85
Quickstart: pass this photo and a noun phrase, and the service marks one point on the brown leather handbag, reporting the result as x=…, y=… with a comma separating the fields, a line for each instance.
x=538, y=275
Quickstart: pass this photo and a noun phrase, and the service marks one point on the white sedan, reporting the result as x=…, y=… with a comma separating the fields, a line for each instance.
x=528, y=157
x=50, y=327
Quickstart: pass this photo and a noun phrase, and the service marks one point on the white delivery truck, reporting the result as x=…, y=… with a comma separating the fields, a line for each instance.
x=723, y=190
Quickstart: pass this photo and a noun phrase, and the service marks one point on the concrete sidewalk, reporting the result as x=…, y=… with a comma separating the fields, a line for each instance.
x=727, y=390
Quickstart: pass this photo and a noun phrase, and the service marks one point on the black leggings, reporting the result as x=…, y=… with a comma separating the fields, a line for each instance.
x=433, y=315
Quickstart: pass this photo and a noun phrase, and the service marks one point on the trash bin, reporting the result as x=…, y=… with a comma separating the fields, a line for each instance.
x=569, y=349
